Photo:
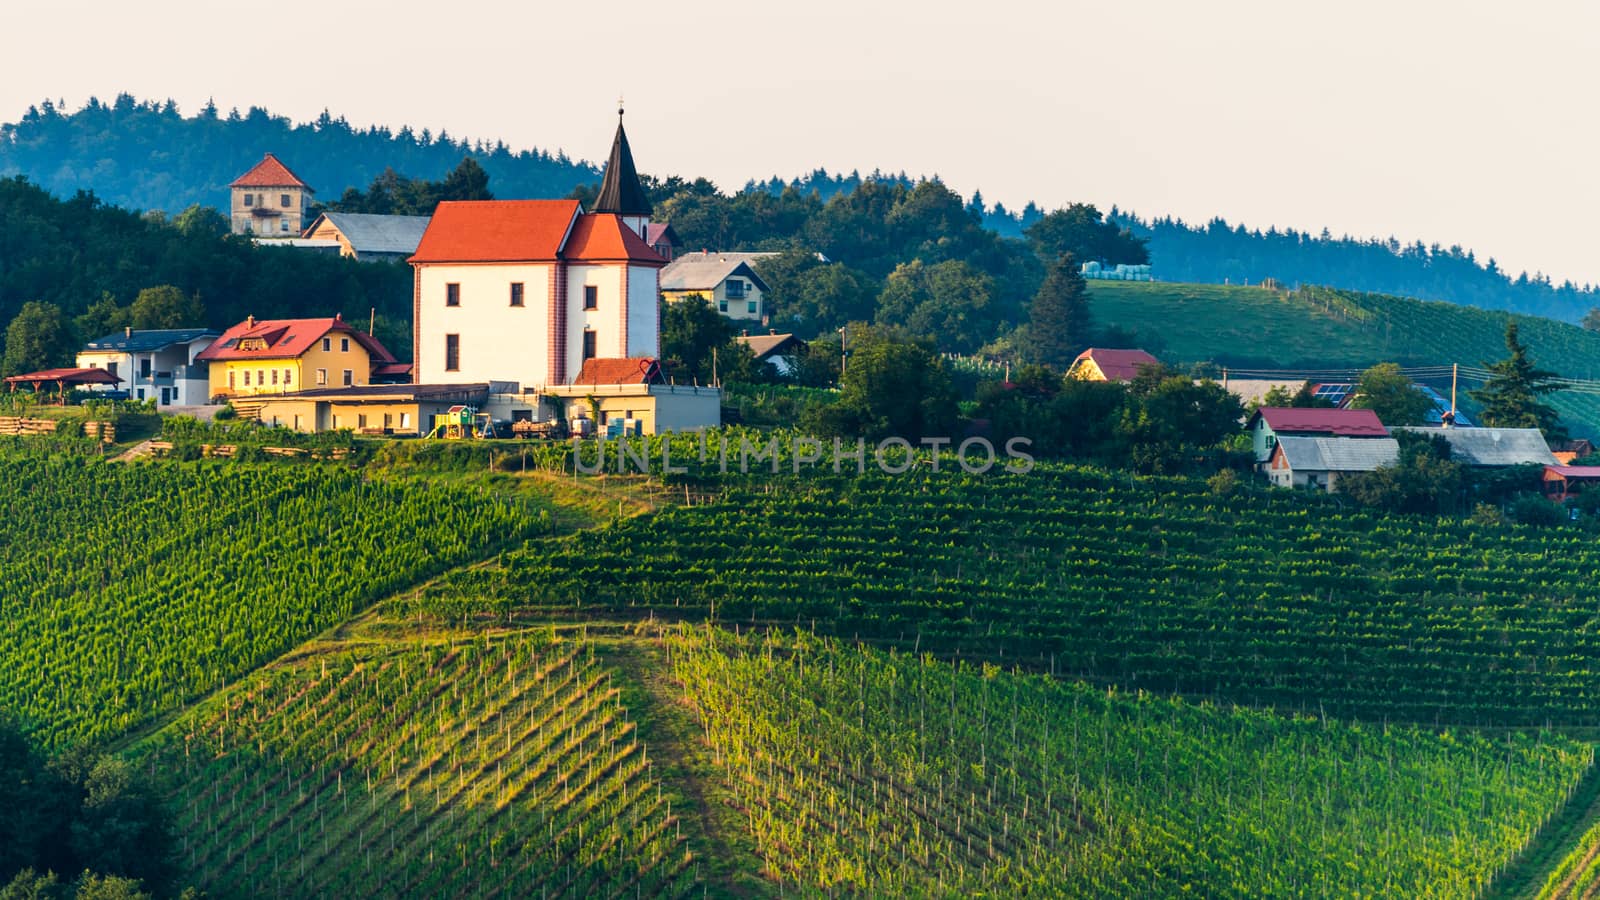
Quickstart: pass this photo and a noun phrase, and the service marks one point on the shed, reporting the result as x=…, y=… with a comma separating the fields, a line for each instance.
x=1319, y=462
x=1561, y=482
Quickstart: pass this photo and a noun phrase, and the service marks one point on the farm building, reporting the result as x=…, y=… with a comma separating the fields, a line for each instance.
x=1562, y=482
x=281, y=356
x=1492, y=447
x=1568, y=452
x=155, y=364
x=728, y=281
x=397, y=409
x=1319, y=462
x=369, y=238
x=1270, y=425
x=1100, y=364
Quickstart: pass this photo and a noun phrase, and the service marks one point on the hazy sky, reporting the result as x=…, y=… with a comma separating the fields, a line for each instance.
x=1460, y=122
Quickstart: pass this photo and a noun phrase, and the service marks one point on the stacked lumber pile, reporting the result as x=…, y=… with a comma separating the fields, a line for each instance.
x=17, y=425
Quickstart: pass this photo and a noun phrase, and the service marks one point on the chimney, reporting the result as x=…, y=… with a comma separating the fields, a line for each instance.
x=338, y=317
x=249, y=322
x=127, y=331
x=745, y=333
x=772, y=331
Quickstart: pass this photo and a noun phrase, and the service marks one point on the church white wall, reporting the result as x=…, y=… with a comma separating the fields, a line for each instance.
x=644, y=311
x=606, y=319
x=499, y=342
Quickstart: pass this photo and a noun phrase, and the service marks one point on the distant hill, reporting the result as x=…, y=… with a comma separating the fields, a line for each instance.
x=1322, y=328
x=147, y=155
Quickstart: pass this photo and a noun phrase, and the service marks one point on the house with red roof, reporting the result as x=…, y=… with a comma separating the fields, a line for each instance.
x=531, y=294
x=1268, y=424
x=284, y=356
x=269, y=201
x=1101, y=364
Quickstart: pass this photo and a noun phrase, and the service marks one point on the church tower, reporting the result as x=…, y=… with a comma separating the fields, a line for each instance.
x=620, y=192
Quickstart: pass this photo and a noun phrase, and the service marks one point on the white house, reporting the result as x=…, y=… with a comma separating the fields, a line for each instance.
x=154, y=364
x=523, y=293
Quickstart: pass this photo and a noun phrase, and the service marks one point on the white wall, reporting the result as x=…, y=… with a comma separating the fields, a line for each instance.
x=644, y=311
x=606, y=319
x=499, y=342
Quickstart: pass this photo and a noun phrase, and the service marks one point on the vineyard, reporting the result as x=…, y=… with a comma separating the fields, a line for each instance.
x=129, y=590
x=1263, y=598
x=1326, y=328
x=490, y=768
x=897, y=774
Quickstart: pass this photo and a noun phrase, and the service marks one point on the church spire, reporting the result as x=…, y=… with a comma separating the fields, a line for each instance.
x=620, y=192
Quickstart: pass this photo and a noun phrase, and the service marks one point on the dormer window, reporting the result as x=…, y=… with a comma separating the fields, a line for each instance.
x=252, y=344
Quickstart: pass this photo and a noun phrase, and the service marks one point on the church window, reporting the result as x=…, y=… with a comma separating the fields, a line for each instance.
x=516, y=293
x=452, y=294
x=452, y=353
x=588, y=344
x=591, y=297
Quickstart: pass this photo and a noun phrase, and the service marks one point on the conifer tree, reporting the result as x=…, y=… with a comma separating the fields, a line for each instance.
x=1058, y=320
x=1511, y=397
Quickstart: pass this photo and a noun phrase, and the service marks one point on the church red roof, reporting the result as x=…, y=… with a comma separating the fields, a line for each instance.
x=270, y=172
x=287, y=339
x=627, y=370
x=497, y=231
x=602, y=237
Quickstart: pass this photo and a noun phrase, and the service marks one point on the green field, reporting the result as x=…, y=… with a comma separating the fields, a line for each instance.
x=1247, y=327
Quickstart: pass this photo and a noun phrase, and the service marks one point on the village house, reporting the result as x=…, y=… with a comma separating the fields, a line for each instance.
x=269, y=201
x=1268, y=426
x=728, y=281
x=662, y=239
x=367, y=238
x=533, y=296
x=1569, y=451
x=1100, y=364
x=780, y=351
x=1318, y=463
x=154, y=364
x=281, y=356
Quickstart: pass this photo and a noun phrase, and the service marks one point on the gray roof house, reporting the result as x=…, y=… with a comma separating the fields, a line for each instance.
x=156, y=364
x=370, y=237
x=728, y=281
x=1319, y=462
x=1485, y=447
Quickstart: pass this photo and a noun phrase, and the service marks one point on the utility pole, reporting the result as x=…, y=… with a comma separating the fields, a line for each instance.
x=1455, y=371
x=372, y=320
x=1224, y=377
x=714, y=381
x=844, y=340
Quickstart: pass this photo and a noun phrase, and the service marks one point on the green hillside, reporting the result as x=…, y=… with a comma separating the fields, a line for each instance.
x=1249, y=327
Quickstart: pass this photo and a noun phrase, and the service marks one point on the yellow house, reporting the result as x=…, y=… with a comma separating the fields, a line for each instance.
x=1098, y=364
x=725, y=280
x=282, y=356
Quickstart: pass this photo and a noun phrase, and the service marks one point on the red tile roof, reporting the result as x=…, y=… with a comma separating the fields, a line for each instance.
x=70, y=376
x=270, y=172
x=497, y=231
x=1340, y=422
x=397, y=368
x=627, y=370
x=601, y=237
x=1118, y=365
x=287, y=339
x=656, y=232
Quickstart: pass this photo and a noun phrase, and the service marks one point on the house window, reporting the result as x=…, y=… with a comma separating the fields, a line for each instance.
x=249, y=199
x=288, y=376
x=327, y=345
x=230, y=380
x=591, y=297
x=452, y=353
x=750, y=307
x=111, y=367
x=516, y=293
x=283, y=200
x=405, y=420
x=735, y=289
x=452, y=294
x=246, y=377
x=388, y=420
x=361, y=420
x=274, y=376
x=261, y=378
x=722, y=306
x=144, y=367
x=322, y=376
x=344, y=345
x=284, y=225
x=588, y=344
x=349, y=377
x=336, y=421
x=297, y=424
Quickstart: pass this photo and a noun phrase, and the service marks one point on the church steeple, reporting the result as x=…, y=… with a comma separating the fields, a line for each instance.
x=620, y=192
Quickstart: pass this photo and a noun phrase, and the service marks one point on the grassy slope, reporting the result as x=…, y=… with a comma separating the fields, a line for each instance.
x=1257, y=328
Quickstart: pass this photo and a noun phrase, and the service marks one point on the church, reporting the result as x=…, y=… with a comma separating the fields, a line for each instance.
x=530, y=290
x=544, y=298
